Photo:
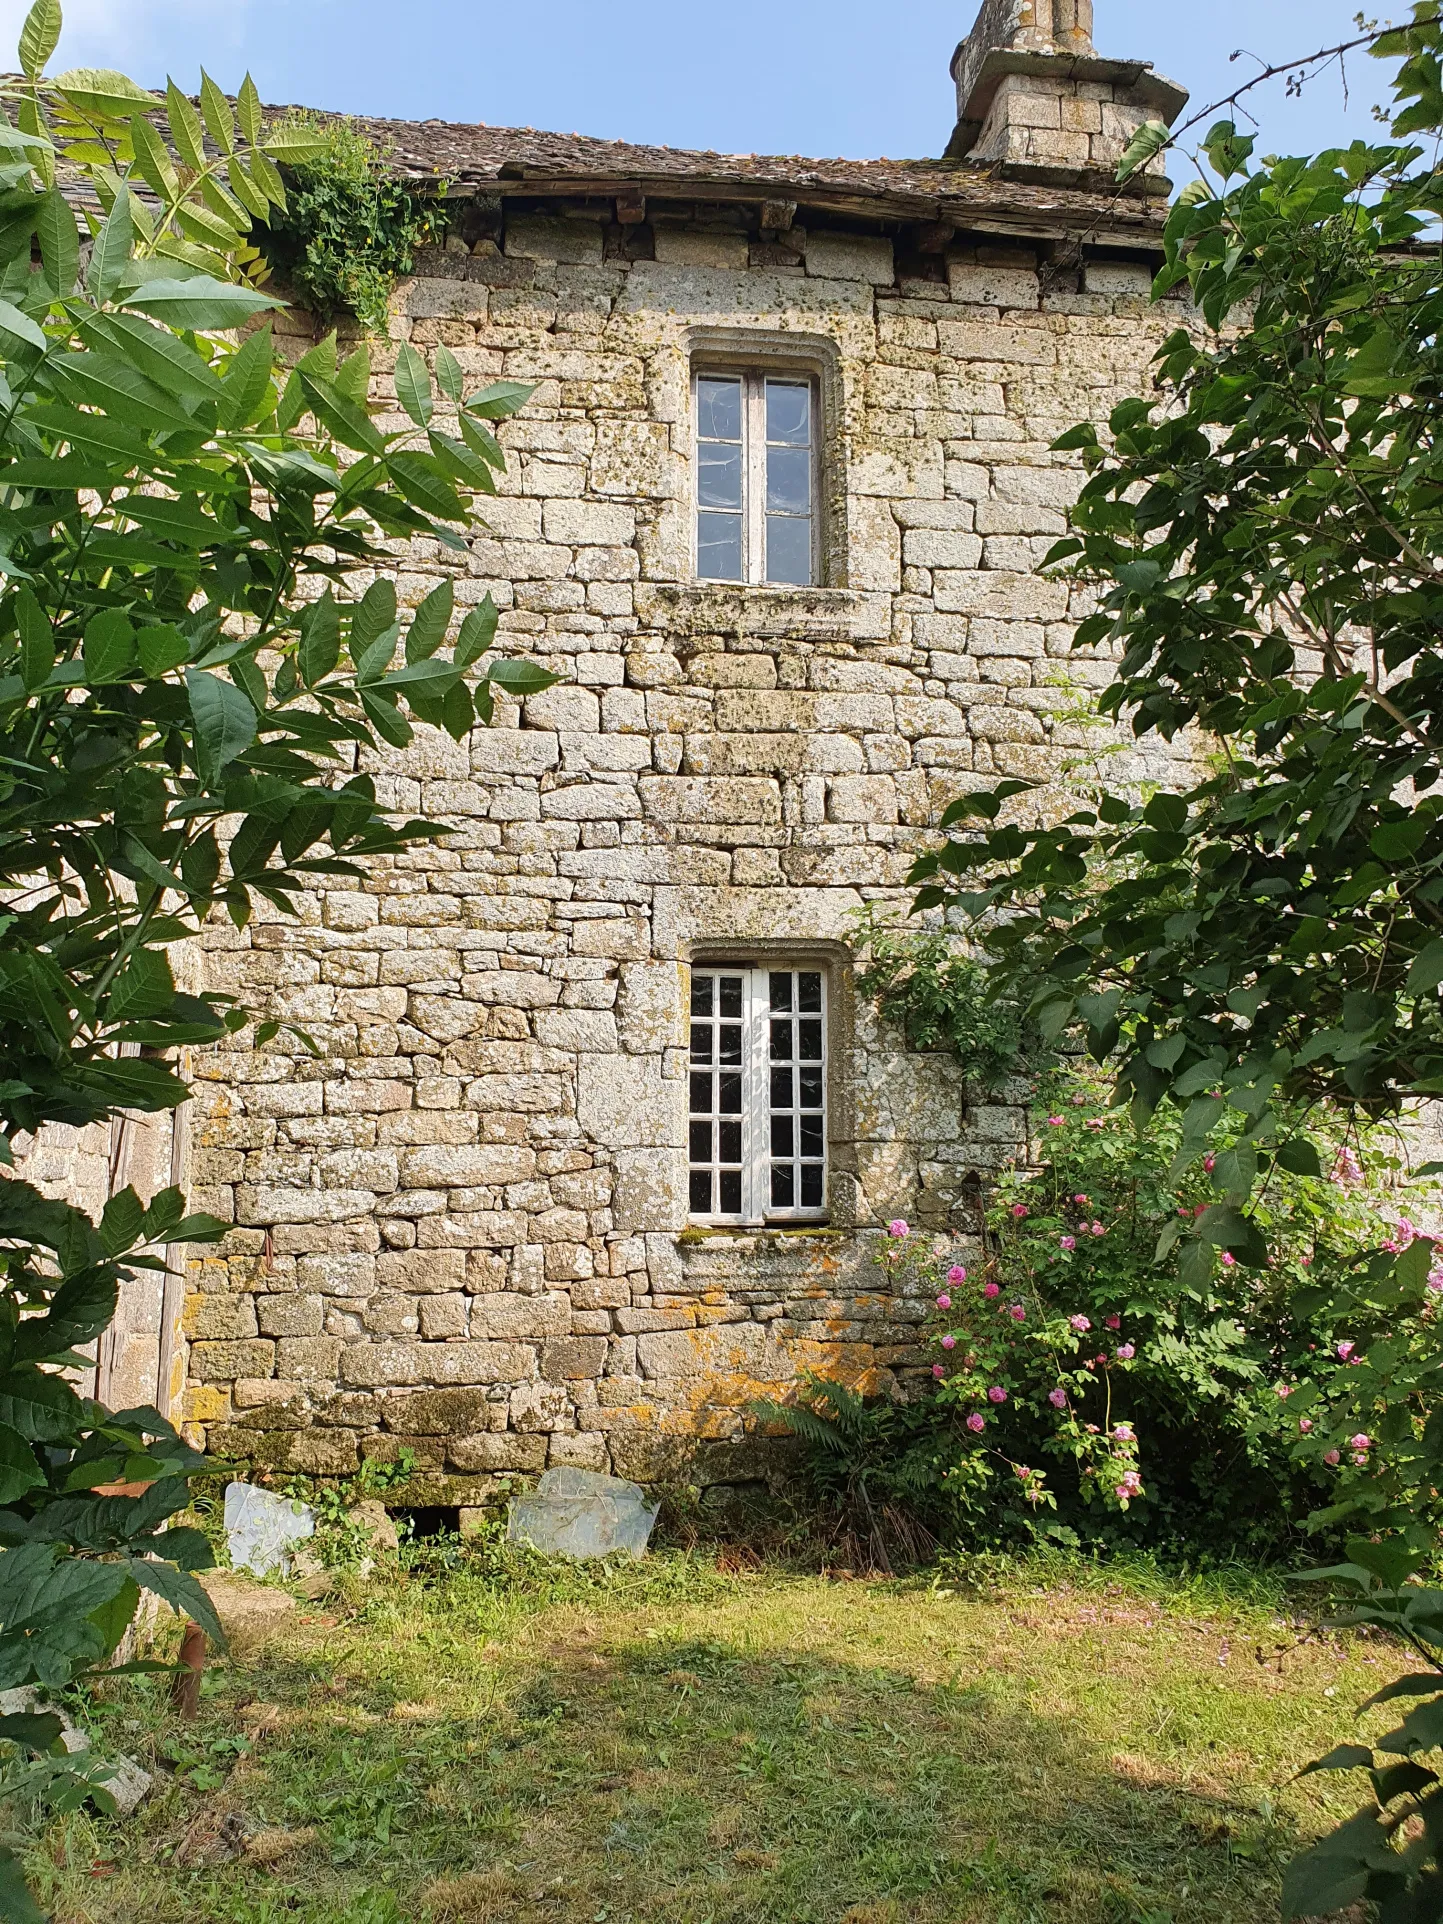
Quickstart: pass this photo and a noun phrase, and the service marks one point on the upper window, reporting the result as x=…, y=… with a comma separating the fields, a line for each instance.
x=758, y=1123
x=756, y=478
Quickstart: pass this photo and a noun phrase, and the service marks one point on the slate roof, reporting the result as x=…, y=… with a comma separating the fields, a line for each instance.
x=474, y=158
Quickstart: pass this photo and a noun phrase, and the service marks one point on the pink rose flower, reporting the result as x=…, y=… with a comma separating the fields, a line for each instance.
x=1055, y=1122
x=898, y=1229
x=1017, y=1313
x=938, y=1371
x=1345, y=1350
x=1435, y=1281
x=1360, y=1441
x=1129, y=1486
x=1098, y=1230
x=1360, y=1457
x=977, y=1422
x=1210, y=1163
x=1019, y=1210
x=1125, y=1352
x=1057, y=1398
x=1305, y=1423
x=1080, y=1324
x=1124, y=1433
x=1067, y=1242
x=989, y=1290
x=956, y=1274
x=1306, y=1261
x=944, y=1301
x=1228, y=1259
x=949, y=1342
x=1332, y=1458
x=1114, y=1321
x=997, y=1394
x=1094, y=1122
x=1101, y=1361
x=1082, y=1202
x=1282, y=1390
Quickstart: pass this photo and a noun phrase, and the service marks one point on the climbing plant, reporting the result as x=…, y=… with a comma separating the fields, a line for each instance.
x=349, y=229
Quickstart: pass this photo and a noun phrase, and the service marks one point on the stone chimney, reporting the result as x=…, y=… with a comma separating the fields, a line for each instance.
x=1036, y=100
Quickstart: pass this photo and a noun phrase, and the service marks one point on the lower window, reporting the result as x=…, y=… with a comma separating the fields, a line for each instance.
x=757, y=1129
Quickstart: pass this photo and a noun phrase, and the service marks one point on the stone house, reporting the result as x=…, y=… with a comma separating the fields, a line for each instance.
x=602, y=1139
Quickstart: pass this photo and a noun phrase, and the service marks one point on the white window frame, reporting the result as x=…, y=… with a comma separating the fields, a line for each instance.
x=757, y=1209
x=754, y=467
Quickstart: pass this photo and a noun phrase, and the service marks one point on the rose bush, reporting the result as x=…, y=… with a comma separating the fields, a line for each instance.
x=1227, y=1413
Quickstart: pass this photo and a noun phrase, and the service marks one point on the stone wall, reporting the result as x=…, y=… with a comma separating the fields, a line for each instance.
x=461, y=1225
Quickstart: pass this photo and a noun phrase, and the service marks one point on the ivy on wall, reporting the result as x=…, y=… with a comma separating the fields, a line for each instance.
x=349, y=230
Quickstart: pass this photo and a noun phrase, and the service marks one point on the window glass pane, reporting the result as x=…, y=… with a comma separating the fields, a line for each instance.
x=781, y=1088
x=729, y=1142
x=781, y=1135
x=731, y=1192
x=719, y=547
x=700, y=1192
x=719, y=409
x=811, y=1185
x=731, y=997
x=701, y=1095
x=730, y=1093
x=783, y=1188
x=781, y=991
x=811, y=1091
x=701, y=995
x=789, y=550
x=701, y=1042
x=789, y=481
x=789, y=412
x=781, y=1041
x=809, y=993
x=811, y=1132
x=719, y=475
x=810, y=1039
x=731, y=1043
x=701, y=1142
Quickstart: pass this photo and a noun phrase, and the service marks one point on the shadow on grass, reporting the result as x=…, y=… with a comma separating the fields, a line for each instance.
x=662, y=1779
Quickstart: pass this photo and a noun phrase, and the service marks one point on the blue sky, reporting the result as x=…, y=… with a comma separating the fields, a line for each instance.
x=819, y=77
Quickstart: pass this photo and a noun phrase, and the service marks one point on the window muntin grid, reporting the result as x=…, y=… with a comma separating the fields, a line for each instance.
x=756, y=478
x=757, y=1121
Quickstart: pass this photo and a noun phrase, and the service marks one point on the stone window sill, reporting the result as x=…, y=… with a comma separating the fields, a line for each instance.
x=732, y=608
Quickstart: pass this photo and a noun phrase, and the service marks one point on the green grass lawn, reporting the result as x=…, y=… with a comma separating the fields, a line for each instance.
x=677, y=1745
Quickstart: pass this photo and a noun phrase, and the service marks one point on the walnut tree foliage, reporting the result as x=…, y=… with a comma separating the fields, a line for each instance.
x=188, y=688
x=1263, y=536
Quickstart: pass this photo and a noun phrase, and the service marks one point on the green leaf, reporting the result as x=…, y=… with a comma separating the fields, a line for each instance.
x=219, y=120
x=246, y=381
x=1149, y=140
x=186, y=132
x=181, y=1591
x=100, y=94
x=110, y=254
x=39, y=37
x=248, y=111
x=1299, y=1157
x=478, y=631
x=320, y=645
x=225, y=722
x=18, y=327
x=109, y=647
x=19, y=1471
x=59, y=242
x=199, y=302
x=39, y=1406
x=347, y=423
x=293, y=146
x=1427, y=969
x=519, y=678
x=37, y=641
x=413, y=385
x=501, y=400
x=35, y=1730
x=449, y=377
x=422, y=483
x=17, y=1906
x=430, y=622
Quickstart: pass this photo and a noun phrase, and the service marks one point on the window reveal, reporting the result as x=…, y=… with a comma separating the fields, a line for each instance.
x=756, y=479
x=757, y=1130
